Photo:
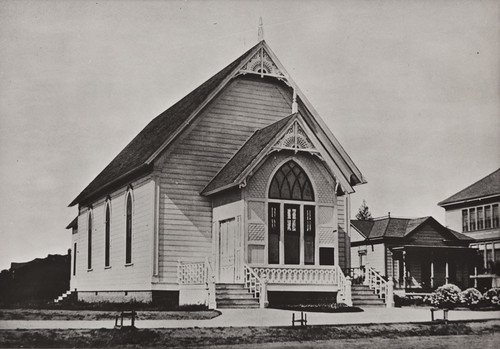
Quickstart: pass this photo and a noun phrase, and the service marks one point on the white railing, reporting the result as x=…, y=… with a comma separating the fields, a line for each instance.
x=191, y=273
x=210, y=282
x=291, y=274
x=256, y=285
x=382, y=288
x=344, y=285
x=199, y=273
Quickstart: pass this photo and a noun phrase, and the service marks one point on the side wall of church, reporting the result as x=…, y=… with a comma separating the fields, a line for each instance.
x=185, y=217
x=109, y=283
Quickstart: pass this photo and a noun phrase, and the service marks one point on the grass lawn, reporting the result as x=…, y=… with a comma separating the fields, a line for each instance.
x=51, y=314
x=245, y=337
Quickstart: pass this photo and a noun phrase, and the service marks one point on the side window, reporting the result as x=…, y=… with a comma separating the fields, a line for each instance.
x=107, y=237
x=89, y=250
x=128, y=233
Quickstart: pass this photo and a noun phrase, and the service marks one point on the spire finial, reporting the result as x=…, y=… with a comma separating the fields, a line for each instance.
x=261, y=30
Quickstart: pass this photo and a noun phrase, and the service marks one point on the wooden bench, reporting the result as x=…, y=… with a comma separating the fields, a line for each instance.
x=445, y=314
x=125, y=314
x=302, y=320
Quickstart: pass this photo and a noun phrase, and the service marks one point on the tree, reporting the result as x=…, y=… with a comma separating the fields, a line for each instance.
x=364, y=213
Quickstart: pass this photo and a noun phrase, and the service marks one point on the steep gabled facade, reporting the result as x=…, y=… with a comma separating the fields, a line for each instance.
x=240, y=182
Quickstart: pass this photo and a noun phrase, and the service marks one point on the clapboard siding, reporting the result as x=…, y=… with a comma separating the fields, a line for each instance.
x=375, y=257
x=119, y=276
x=246, y=105
x=427, y=234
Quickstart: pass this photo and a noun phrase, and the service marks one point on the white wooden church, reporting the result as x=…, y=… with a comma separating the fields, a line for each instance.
x=237, y=192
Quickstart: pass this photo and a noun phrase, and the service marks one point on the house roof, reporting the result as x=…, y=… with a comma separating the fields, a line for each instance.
x=139, y=150
x=390, y=227
x=246, y=155
x=485, y=187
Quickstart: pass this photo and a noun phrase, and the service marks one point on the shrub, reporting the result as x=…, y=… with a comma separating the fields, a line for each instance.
x=492, y=296
x=471, y=296
x=446, y=296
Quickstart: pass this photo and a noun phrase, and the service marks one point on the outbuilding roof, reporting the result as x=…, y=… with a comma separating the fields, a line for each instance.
x=485, y=187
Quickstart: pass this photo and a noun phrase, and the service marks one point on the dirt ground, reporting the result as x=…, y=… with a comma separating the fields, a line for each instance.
x=407, y=335
x=489, y=341
x=50, y=314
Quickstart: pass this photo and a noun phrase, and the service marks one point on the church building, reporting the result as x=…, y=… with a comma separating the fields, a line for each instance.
x=236, y=193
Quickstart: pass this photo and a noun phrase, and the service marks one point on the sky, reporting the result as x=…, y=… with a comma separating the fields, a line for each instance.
x=410, y=89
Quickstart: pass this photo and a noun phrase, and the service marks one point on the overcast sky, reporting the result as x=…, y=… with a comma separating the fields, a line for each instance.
x=410, y=89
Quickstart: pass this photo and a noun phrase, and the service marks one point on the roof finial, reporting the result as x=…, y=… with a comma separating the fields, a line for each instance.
x=261, y=30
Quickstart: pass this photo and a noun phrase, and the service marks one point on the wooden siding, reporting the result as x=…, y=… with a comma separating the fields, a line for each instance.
x=375, y=257
x=185, y=221
x=427, y=234
x=118, y=276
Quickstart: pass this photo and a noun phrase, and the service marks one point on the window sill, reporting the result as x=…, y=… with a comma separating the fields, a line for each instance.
x=107, y=267
x=89, y=270
x=129, y=264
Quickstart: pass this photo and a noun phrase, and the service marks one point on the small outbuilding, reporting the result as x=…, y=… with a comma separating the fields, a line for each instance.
x=419, y=254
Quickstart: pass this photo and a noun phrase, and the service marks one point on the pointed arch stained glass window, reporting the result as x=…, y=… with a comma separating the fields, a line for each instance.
x=291, y=183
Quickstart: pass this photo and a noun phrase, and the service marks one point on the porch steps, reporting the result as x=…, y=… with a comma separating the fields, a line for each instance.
x=363, y=296
x=234, y=296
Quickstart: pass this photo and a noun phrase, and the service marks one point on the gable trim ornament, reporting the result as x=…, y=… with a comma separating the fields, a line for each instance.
x=296, y=139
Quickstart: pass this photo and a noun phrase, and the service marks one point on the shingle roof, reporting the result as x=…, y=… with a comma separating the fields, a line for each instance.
x=396, y=227
x=151, y=138
x=488, y=186
x=245, y=155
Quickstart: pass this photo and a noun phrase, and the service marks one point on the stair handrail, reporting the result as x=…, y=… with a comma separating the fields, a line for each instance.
x=383, y=289
x=210, y=284
x=344, y=286
x=256, y=285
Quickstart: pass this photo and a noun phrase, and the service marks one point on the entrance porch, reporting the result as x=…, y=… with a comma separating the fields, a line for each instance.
x=197, y=281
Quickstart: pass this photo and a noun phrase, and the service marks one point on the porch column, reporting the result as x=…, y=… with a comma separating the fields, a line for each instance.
x=432, y=274
x=493, y=252
x=475, y=279
x=485, y=256
x=447, y=276
x=404, y=269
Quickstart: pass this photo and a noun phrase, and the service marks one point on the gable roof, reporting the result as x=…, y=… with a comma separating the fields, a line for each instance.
x=137, y=152
x=390, y=227
x=137, y=157
x=485, y=187
x=245, y=156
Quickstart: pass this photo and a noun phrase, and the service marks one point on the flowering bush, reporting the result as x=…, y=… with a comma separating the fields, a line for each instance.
x=471, y=296
x=445, y=296
x=492, y=296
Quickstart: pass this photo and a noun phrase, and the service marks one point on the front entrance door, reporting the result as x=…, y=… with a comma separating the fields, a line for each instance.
x=227, y=247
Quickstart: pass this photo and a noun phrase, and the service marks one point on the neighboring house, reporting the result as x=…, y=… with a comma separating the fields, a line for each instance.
x=417, y=254
x=474, y=211
x=239, y=183
x=38, y=281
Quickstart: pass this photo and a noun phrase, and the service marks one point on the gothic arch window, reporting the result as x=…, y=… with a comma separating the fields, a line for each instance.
x=89, y=242
x=107, y=233
x=291, y=183
x=128, y=230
